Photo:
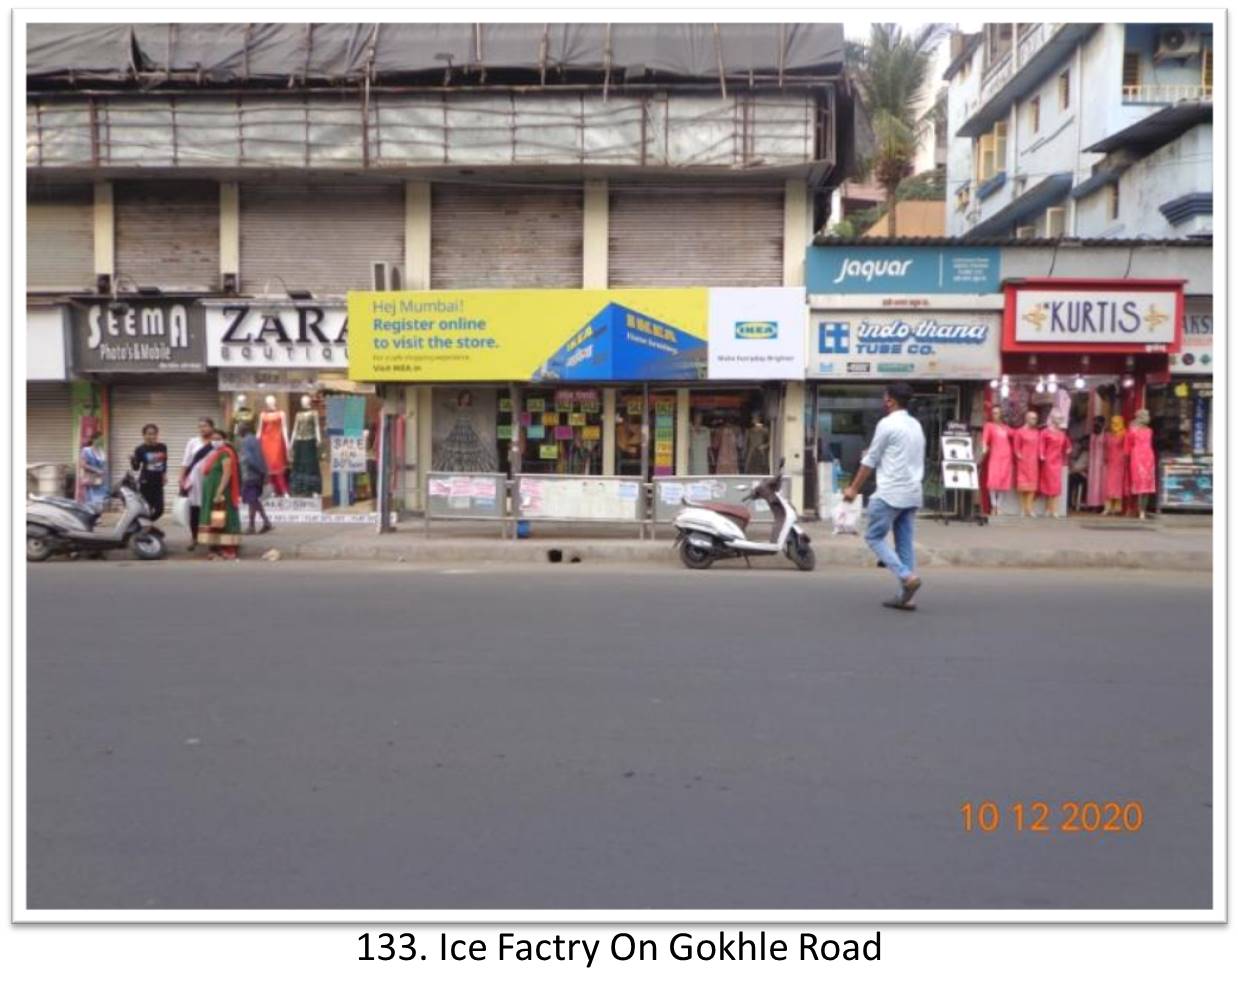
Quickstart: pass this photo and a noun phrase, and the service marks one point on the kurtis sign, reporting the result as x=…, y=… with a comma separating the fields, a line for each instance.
x=1108, y=316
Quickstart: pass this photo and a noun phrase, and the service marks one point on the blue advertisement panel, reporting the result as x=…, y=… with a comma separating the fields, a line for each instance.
x=903, y=270
x=622, y=344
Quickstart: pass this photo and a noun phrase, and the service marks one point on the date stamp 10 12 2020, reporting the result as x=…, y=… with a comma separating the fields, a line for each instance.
x=1035, y=816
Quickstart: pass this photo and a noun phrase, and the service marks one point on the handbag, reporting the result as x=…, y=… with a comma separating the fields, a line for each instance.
x=219, y=517
x=180, y=511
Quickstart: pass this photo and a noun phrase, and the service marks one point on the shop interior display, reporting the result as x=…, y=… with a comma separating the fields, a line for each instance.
x=274, y=437
x=306, y=442
x=242, y=414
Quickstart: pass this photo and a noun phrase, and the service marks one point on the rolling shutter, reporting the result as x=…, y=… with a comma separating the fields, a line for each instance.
x=167, y=234
x=320, y=237
x=60, y=248
x=49, y=424
x=506, y=237
x=723, y=238
x=175, y=408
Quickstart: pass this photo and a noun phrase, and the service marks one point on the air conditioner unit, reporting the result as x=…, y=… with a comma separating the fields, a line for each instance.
x=386, y=277
x=1055, y=222
x=1025, y=232
x=1177, y=43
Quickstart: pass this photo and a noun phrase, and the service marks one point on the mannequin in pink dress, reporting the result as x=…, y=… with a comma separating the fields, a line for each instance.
x=1027, y=463
x=1096, y=464
x=273, y=437
x=995, y=446
x=1117, y=481
x=1142, y=460
x=1054, y=452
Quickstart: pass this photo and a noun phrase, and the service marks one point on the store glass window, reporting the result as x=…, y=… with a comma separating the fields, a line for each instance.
x=562, y=431
x=1181, y=417
x=729, y=432
x=629, y=417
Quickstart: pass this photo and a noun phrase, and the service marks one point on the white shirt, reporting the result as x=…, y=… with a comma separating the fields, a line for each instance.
x=194, y=485
x=897, y=454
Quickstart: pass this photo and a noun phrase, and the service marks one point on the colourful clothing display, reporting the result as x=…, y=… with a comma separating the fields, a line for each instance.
x=306, y=474
x=1142, y=460
x=274, y=446
x=1027, y=458
x=1096, y=470
x=1054, y=452
x=1117, y=481
x=221, y=491
x=999, y=468
x=726, y=460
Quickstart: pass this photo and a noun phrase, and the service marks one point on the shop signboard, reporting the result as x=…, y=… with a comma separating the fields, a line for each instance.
x=348, y=454
x=1115, y=316
x=884, y=346
x=903, y=270
x=137, y=335
x=45, y=344
x=1196, y=354
x=1186, y=483
x=658, y=334
x=277, y=334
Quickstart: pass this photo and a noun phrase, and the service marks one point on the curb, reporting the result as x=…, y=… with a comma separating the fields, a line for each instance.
x=828, y=554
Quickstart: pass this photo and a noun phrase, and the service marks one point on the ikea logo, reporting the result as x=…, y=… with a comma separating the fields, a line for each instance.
x=756, y=330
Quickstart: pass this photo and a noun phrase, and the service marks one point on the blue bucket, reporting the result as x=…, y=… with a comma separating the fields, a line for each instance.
x=522, y=529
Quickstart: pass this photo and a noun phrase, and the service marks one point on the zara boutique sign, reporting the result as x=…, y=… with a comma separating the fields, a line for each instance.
x=277, y=334
x=1082, y=316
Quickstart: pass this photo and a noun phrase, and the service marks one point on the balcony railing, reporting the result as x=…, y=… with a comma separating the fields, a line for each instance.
x=1165, y=93
x=1031, y=41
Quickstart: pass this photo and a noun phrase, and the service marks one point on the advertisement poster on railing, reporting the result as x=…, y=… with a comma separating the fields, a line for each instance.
x=551, y=336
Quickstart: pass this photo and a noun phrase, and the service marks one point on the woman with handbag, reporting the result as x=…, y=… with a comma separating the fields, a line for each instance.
x=189, y=504
x=220, y=528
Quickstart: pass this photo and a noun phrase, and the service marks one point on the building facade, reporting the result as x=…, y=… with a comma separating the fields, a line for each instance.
x=233, y=209
x=1081, y=130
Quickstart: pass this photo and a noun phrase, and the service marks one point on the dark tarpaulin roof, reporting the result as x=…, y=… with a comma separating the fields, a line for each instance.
x=223, y=52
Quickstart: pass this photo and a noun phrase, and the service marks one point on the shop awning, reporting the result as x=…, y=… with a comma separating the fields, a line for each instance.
x=1049, y=191
x=622, y=344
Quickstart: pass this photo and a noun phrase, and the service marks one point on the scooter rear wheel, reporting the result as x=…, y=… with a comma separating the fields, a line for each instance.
x=37, y=549
x=147, y=546
x=694, y=557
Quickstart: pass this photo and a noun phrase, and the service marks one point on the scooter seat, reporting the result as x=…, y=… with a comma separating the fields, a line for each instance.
x=741, y=513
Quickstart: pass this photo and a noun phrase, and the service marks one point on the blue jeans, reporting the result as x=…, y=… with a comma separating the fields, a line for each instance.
x=883, y=518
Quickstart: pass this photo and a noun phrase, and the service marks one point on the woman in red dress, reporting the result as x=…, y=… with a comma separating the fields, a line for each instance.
x=1117, y=481
x=1142, y=460
x=1027, y=463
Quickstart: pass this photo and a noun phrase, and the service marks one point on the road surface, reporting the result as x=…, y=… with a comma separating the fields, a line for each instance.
x=296, y=736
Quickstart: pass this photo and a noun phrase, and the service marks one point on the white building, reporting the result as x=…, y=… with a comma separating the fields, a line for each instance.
x=1082, y=130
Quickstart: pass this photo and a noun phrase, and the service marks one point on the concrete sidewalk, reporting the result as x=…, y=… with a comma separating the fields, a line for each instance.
x=1166, y=544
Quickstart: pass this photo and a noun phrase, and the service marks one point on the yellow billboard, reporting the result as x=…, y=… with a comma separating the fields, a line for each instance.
x=528, y=335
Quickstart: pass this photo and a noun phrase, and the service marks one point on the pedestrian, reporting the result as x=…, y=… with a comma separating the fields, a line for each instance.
x=92, y=465
x=220, y=527
x=896, y=453
x=150, y=460
x=253, y=477
x=196, y=450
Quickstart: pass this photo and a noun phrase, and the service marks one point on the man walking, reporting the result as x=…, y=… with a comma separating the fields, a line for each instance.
x=897, y=455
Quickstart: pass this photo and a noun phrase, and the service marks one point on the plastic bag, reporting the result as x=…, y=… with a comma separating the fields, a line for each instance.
x=847, y=517
x=180, y=511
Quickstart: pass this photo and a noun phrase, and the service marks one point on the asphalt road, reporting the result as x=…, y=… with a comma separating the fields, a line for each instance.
x=289, y=736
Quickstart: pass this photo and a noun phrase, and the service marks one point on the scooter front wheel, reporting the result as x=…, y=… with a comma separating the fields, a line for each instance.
x=802, y=555
x=695, y=557
x=147, y=546
x=38, y=549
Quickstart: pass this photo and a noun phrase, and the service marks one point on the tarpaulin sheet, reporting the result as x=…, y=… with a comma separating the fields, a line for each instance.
x=222, y=52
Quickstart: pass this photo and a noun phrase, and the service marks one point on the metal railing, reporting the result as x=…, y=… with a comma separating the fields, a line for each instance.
x=1165, y=93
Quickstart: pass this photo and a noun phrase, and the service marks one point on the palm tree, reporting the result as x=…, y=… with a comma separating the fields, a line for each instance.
x=891, y=73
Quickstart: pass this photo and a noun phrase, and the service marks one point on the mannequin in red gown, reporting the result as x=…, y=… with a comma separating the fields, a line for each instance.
x=1027, y=463
x=1117, y=480
x=1054, y=452
x=1141, y=457
x=995, y=447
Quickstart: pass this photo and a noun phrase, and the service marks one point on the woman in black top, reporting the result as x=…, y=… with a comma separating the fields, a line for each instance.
x=150, y=460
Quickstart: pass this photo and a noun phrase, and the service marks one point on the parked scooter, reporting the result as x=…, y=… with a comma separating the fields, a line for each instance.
x=58, y=525
x=713, y=530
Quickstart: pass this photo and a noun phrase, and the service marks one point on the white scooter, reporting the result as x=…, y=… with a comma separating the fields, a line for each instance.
x=714, y=530
x=58, y=525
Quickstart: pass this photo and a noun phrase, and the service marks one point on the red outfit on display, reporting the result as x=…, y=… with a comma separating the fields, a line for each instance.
x=1142, y=470
x=999, y=470
x=274, y=450
x=1116, y=478
x=1054, y=452
x=1027, y=458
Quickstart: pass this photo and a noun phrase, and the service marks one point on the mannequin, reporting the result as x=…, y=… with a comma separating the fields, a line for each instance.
x=1116, y=471
x=1142, y=460
x=1054, y=452
x=1027, y=463
x=1096, y=464
x=306, y=443
x=698, y=446
x=995, y=444
x=242, y=414
x=756, y=454
x=726, y=449
x=275, y=444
